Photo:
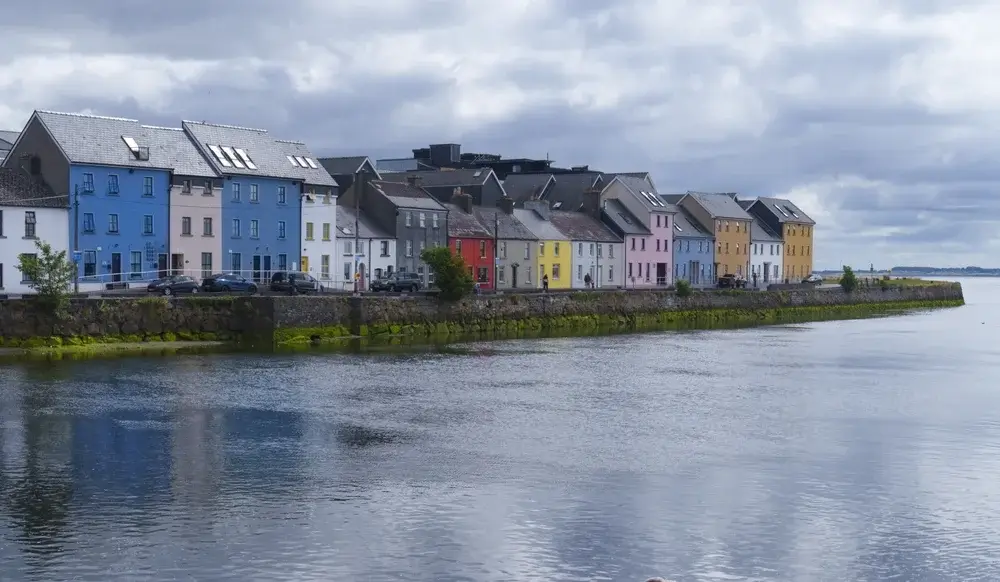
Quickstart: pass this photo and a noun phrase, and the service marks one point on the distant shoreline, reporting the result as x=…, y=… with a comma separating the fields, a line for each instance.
x=911, y=274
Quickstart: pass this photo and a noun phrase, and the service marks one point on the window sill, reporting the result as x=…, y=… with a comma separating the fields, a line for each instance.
x=327, y=240
x=113, y=233
x=113, y=193
x=91, y=231
x=208, y=194
x=208, y=236
x=310, y=240
x=186, y=192
x=29, y=238
x=148, y=196
x=186, y=234
x=148, y=234
x=236, y=237
x=255, y=202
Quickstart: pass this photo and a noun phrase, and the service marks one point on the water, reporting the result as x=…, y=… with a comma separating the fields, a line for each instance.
x=858, y=450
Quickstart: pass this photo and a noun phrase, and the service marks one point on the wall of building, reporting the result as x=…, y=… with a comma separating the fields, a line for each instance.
x=693, y=261
x=798, y=251
x=419, y=237
x=555, y=260
x=767, y=254
x=319, y=247
x=36, y=141
x=518, y=260
x=196, y=199
x=50, y=227
x=732, y=246
x=478, y=255
x=259, y=256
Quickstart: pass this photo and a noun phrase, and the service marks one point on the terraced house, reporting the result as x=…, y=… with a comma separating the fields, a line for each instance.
x=595, y=249
x=517, y=247
x=29, y=211
x=722, y=215
x=470, y=239
x=694, y=248
x=554, y=255
x=796, y=230
x=122, y=185
x=649, y=258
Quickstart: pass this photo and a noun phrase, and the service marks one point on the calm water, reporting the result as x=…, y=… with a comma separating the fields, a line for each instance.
x=860, y=450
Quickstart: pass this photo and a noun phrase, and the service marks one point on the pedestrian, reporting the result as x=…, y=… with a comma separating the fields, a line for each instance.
x=587, y=281
x=545, y=283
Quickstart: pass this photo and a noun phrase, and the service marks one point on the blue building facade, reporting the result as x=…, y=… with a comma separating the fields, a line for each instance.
x=694, y=251
x=261, y=217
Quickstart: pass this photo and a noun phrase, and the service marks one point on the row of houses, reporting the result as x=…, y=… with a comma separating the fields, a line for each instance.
x=133, y=202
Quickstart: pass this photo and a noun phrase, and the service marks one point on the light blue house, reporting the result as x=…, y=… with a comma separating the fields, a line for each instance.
x=104, y=163
x=261, y=198
x=694, y=248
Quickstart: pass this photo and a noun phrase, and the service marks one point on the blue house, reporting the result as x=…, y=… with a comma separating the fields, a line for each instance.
x=261, y=198
x=104, y=163
x=694, y=248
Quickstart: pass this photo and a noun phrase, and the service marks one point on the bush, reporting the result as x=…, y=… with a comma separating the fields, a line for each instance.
x=849, y=281
x=50, y=273
x=450, y=272
x=683, y=288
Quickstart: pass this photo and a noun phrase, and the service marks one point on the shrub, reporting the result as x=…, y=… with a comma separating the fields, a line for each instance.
x=450, y=272
x=683, y=288
x=50, y=274
x=849, y=281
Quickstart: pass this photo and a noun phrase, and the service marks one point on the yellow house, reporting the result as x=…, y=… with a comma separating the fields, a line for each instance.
x=796, y=230
x=725, y=218
x=555, y=253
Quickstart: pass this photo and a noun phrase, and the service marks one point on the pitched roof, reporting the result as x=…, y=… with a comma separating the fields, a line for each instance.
x=98, y=140
x=343, y=165
x=462, y=224
x=783, y=210
x=265, y=153
x=566, y=192
x=623, y=219
x=523, y=187
x=177, y=151
x=608, y=177
x=346, y=216
x=317, y=176
x=439, y=178
x=402, y=195
x=541, y=228
x=759, y=232
x=672, y=198
x=581, y=226
x=643, y=191
x=18, y=188
x=510, y=227
x=9, y=137
x=685, y=226
x=719, y=205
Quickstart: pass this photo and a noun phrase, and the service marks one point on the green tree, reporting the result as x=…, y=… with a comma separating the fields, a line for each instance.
x=848, y=281
x=450, y=272
x=683, y=288
x=49, y=274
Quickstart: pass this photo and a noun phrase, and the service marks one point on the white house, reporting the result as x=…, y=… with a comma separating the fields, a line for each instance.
x=766, y=252
x=375, y=249
x=319, y=236
x=596, y=250
x=29, y=211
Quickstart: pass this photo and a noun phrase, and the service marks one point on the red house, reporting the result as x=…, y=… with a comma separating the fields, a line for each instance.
x=471, y=239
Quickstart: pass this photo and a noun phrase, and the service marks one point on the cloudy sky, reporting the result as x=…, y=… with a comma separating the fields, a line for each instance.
x=879, y=118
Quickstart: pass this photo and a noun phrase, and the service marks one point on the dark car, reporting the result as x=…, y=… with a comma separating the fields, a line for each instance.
x=730, y=281
x=228, y=283
x=294, y=282
x=398, y=282
x=173, y=285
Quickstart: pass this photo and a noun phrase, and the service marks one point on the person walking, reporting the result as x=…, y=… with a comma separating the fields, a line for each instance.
x=545, y=283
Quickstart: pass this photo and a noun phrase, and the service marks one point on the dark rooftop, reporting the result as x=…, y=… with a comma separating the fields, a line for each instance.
x=582, y=226
x=623, y=219
x=405, y=196
x=510, y=227
x=342, y=165
x=438, y=178
x=462, y=224
x=18, y=188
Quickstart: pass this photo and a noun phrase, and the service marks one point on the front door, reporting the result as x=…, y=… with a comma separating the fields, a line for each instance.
x=513, y=276
x=767, y=272
x=661, y=273
x=256, y=268
x=600, y=276
x=267, y=267
x=305, y=264
x=116, y=267
x=161, y=265
x=176, y=264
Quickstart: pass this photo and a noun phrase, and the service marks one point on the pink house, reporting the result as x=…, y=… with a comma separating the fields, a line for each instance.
x=648, y=257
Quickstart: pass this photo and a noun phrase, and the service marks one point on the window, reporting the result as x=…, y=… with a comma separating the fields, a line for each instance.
x=408, y=218
x=112, y=224
x=113, y=184
x=186, y=187
x=482, y=249
x=1, y=229
x=281, y=229
x=409, y=248
x=727, y=248
x=309, y=231
x=236, y=262
x=611, y=272
x=422, y=245
x=207, y=190
x=501, y=274
x=324, y=266
x=236, y=228
x=633, y=243
x=591, y=249
x=657, y=244
x=422, y=220
x=541, y=249
x=657, y=220
x=281, y=195
x=434, y=220
x=326, y=231
x=483, y=274
x=27, y=257
x=29, y=224
x=206, y=265
x=579, y=249
x=347, y=271
x=147, y=224
x=642, y=244
x=630, y=270
x=727, y=226
x=147, y=186
x=135, y=264
x=254, y=193
x=503, y=249
x=579, y=272
x=88, y=222
x=282, y=262
x=527, y=251
x=458, y=246
x=555, y=250
x=186, y=226
x=647, y=271
x=206, y=226
x=611, y=251
x=237, y=194
x=88, y=182
x=384, y=248
x=348, y=248
x=541, y=272
x=254, y=228
x=89, y=263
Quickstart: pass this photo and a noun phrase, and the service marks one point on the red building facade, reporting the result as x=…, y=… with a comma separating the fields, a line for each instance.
x=472, y=241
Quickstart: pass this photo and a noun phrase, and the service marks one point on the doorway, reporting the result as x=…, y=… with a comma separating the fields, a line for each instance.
x=267, y=267
x=161, y=265
x=305, y=264
x=661, y=273
x=176, y=264
x=116, y=267
x=513, y=276
x=256, y=268
x=362, y=283
x=767, y=272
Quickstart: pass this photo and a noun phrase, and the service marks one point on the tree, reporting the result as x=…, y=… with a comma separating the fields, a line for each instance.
x=450, y=272
x=49, y=273
x=683, y=288
x=849, y=281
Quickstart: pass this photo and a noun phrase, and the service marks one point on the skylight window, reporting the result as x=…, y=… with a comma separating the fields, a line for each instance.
x=625, y=218
x=312, y=164
x=232, y=157
x=242, y=153
x=347, y=231
x=789, y=209
x=781, y=210
x=557, y=206
x=220, y=156
x=292, y=161
x=678, y=228
x=131, y=143
x=301, y=161
x=651, y=199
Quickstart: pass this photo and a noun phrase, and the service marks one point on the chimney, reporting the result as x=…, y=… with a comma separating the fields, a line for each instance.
x=463, y=200
x=507, y=205
x=592, y=202
x=36, y=165
x=541, y=207
x=413, y=180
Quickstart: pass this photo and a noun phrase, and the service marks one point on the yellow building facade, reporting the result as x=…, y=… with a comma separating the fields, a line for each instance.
x=730, y=224
x=798, y=237
x=555, y=259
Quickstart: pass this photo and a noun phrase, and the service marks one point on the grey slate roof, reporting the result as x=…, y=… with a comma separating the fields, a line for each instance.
x=18, y=188
x=567, y=190
x=266, y=153
x=367, y=228
x=402, y=195
x=314, y=176
x=462, y=224
x=689, y=227
x=759, y=232
x=541, y=228
x=637, y=186
x=579, y=226
x=343, y=165
x=720, y=205
x=791, y=214
x=177, y=151
x=97, y=140
x=623, y=219
x=672, y=198
x=436, y=178
x=510, y=227
x=9, y=137
x=523, y=187
x=608, y=177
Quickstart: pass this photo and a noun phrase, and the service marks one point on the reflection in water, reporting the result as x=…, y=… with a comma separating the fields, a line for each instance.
x=862, y=450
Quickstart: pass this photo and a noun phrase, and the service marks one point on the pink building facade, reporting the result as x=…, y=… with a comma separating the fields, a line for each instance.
x=649, y=253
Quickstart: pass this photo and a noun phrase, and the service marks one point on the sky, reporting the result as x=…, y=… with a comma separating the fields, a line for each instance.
x=878, y=118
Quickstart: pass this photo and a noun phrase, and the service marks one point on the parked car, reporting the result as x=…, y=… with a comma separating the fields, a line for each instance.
x=398, y=282
x=294, y=282
x=730, y=281
x=228, y=283
x=814, y=279
x=173, y=285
